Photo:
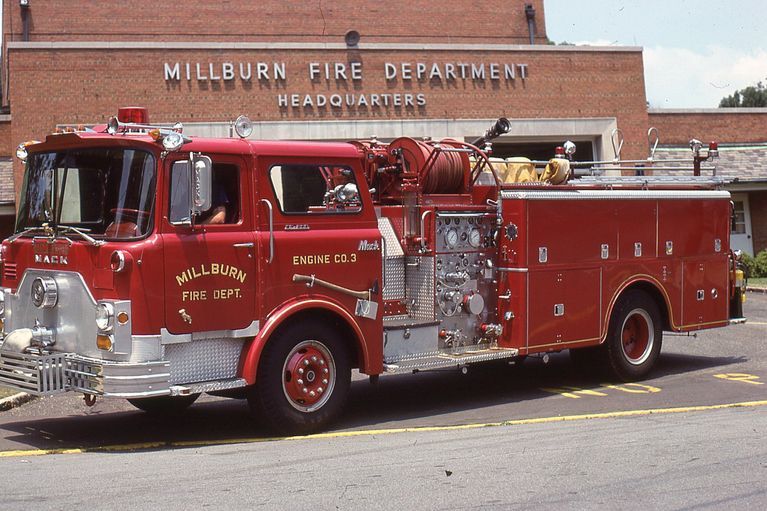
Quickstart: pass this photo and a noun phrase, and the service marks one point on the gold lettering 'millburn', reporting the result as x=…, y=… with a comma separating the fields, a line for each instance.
x=202, y=270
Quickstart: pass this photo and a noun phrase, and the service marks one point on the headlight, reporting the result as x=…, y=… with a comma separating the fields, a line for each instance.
x=45, y=293
x=105, y=315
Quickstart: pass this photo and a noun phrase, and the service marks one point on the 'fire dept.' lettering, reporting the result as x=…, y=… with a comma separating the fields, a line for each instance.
x=224, y=270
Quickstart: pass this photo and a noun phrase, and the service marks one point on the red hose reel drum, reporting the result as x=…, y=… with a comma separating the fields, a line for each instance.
x=448, y=171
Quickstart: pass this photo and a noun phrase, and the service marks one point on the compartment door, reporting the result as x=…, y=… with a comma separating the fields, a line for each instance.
x=564, y=306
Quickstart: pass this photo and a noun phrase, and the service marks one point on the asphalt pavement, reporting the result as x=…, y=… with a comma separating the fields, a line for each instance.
x=538, y=434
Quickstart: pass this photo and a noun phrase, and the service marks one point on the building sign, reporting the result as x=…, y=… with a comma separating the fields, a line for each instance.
x=345, y=74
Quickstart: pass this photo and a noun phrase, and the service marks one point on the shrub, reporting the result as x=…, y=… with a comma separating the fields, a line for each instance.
x=756, y=267
x=760, y=265
x=750, y=263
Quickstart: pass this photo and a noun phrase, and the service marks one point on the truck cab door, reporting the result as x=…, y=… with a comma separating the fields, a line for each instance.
x=317, y=221
x=210, y=280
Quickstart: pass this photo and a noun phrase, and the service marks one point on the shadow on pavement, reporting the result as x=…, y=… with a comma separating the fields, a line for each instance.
x=423, y=399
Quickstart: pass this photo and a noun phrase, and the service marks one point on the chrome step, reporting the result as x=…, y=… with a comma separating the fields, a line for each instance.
x=207, y=386
x=443, y=360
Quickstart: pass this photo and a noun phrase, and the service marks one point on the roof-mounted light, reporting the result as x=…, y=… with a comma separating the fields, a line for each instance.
x=172, y=141
x=113, y=125
x=243, y=126
x=21, y=150
x=133, y=115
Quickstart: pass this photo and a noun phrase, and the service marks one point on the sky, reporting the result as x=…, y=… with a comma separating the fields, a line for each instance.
x=695, y=52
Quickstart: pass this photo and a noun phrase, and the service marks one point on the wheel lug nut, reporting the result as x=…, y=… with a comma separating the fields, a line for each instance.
x=300, y=381
x=314, y=358
x=312, y=393
x=306, y=362
x=322, y=362
x=306, y=390
x=324, y=381
x=319, y=390
x=325, y=370
x=300, y=370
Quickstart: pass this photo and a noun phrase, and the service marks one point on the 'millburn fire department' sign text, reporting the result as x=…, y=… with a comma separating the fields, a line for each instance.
x=432, y=74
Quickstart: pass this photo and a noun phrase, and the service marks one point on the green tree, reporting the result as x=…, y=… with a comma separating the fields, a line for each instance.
x=752, y=96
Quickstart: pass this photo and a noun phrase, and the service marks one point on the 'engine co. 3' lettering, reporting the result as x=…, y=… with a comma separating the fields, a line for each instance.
x=317, y=259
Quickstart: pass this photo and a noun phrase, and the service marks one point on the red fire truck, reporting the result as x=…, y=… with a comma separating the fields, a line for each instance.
x=154, y=266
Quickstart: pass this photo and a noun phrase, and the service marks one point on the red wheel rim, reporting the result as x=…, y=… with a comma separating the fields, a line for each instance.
x=637, y=336
x=308, y=376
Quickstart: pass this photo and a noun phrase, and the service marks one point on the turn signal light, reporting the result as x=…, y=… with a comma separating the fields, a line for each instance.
x=122, y=317
x=104, y=342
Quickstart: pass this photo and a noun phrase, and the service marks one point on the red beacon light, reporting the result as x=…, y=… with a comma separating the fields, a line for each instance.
x=133, y=115
x=713, y=149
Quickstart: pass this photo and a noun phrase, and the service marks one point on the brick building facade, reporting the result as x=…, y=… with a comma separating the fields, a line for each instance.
x=332, y=70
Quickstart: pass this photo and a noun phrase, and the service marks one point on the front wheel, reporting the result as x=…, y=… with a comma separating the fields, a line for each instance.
x=303, y=379
x=634, y=336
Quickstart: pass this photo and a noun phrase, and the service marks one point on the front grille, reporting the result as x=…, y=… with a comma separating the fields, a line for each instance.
x=10, y=271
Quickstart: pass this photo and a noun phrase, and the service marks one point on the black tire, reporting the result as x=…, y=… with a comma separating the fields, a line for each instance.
x=634, y=336
x=303, y=379
x=164, y=405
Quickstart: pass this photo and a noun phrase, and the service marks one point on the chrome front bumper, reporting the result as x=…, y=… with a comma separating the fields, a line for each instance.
x=52, y=373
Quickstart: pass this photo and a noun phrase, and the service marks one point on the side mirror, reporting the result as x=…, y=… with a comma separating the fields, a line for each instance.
x=200, y=183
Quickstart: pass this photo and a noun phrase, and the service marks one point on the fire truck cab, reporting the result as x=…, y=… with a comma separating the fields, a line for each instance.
x=153, y=266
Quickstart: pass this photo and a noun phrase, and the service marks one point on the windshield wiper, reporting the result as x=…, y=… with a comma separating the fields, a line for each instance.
x=29, y=230
x=63, y=229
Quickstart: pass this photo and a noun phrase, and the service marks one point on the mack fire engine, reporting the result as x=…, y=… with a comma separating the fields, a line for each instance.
x=154, y=266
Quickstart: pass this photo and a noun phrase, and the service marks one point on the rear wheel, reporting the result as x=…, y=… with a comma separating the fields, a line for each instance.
x=634, y=336
x=164, y=405
x=303, y=379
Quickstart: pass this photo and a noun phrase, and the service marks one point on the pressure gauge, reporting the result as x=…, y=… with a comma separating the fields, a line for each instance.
x=451, y=238
x=475, y=237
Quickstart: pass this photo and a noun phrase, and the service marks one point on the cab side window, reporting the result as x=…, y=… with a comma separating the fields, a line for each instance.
x=225, y=203
x=315, y=189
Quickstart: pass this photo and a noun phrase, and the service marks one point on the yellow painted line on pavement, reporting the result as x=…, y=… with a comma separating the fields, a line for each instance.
x=756, y=323
x=373, y=432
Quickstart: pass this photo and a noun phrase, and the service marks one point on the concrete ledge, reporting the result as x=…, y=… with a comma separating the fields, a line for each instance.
x=191, y=45
x=757, y=289
x=15, y=400
x=706, y=111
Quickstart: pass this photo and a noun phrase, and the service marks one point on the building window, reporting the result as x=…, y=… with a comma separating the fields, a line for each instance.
x=739, y=218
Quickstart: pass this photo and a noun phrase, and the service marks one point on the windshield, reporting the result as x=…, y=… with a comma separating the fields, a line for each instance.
x=108, y=193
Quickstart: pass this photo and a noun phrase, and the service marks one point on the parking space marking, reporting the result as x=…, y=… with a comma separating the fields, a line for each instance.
x=633, y=388
x=374, y=432
x=577, y=393
x=740, y=377
x=573, y=392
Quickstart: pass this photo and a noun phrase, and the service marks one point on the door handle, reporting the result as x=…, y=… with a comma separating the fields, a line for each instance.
x=271, y=228
x=243, y=245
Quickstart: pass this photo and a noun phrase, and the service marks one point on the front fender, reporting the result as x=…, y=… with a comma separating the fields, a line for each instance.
x=252, y=352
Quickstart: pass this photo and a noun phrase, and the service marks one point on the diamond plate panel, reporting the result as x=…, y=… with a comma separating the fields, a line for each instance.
x=419, y=280
x=394, y=262
x=391, y=242
x=203, y=360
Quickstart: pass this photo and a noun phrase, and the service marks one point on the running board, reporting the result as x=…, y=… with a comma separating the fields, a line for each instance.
x=443, y=360
x=207, y=386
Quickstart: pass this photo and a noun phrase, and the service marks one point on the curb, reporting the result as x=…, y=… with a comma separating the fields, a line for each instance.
x=15, y=400
x=756, y=289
